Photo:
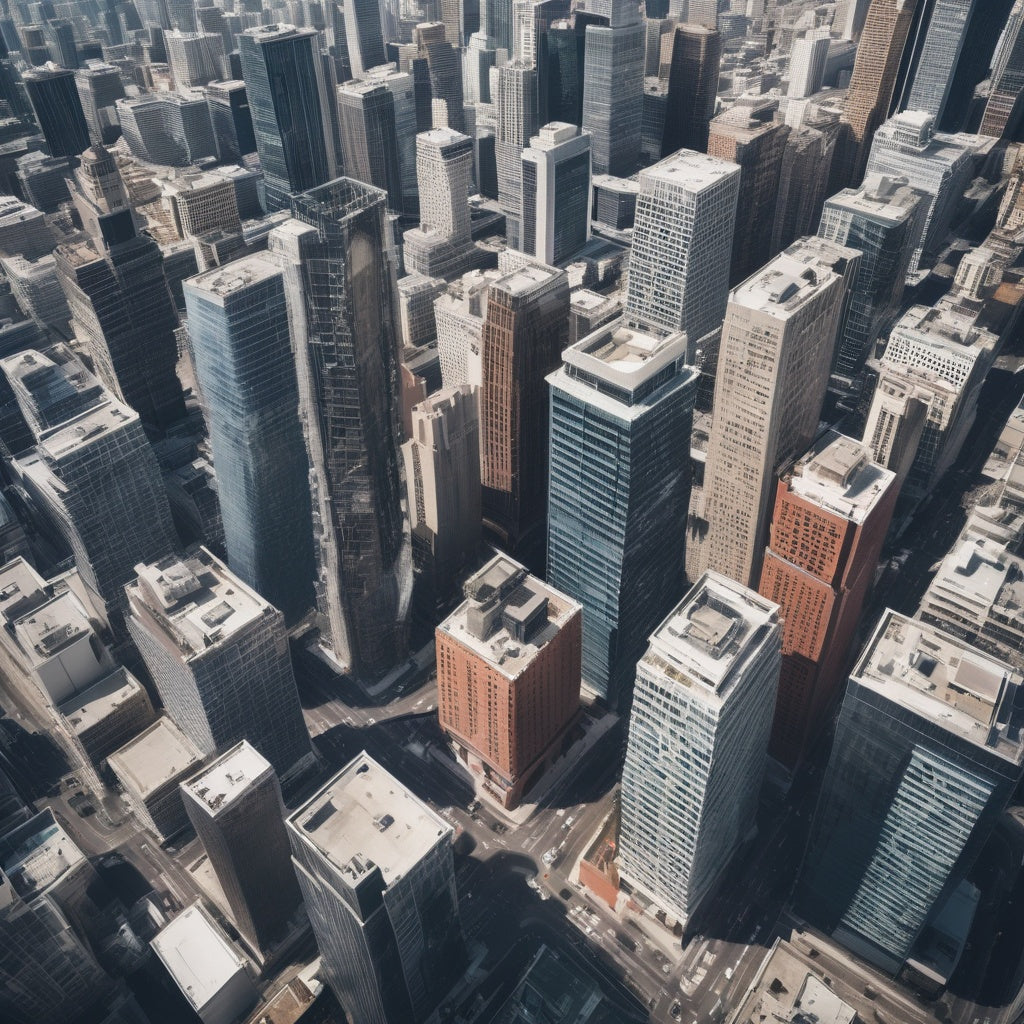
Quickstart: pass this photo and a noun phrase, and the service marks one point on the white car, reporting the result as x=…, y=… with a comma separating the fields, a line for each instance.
x=550, y=857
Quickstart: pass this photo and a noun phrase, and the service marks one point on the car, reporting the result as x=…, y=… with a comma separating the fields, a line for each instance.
x=676, y=1011
x=551, y=857
x=566, y=894
x=569, y=822
x=666, y=968
x=589, y=930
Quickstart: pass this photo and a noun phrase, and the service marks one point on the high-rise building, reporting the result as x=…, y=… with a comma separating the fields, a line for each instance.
x=884, y=219
x=218, y=653
x=613, y=88
x=123, y=314
x=99, y=89
x=937, y=164
x=442, y=246
x=748, y=135
x=682, y=245
x=696, y=57
x=508, y=664
x=36, y=287
x=195, y=58
x=524, y=332
x=442, y=475
x=57, y=109
x=369, y=137
x=832, y=512
x=444, y=71
x=23, y=230
x=896, y=419
x=556, y=193
x=877, y=66
x=375, y=868
x=773, y=366
x=1003, y=110
x=515, y=101
x=698, y=740
x=349, y=403
x=231, y=119
x=926, y=755
x=240, y=339
x=43, y=180
x=170, y=128
x=936, y=65
x=364, y=36
x=618, y=492
x=235, y=806
x=92, y=473
x=459, y=318
x=290, y=108
x=807, y=63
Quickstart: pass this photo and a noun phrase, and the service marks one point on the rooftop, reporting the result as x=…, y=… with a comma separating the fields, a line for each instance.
x=711, y=633
x=157, y=756
x=238, y=275
x=196, y=600
x=525, y=279
x=689, y=171
x=51, y=627
x=782, y=286
x=37, y=854
x=881, y=197
x=508, y=616
x=943, y=680
x=88, y=428
x=197, y=955
x=227, y=778
x=21, y=589
x=91, y=706
x=839, y=475
x=364, y=818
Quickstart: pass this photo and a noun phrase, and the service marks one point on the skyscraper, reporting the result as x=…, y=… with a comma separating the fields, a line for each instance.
x=442, y=475
x=196, y=58
x=290, y=108
x=230, y=119
x=524, y=332
x=613, y=87
x=807, y=63
x=749, y=135
x=235, y=806
x=218, y=654
x=936, y=66
x=57, y=109
x=935, y=163
x=682, y=245
x=364, y=36
x=884, y=218
x=619, y=488
x=238, y=323
x=99, y=88
x=444, y=70
x=803, y=179
x=696, y=58
x=698, y=739
x=515, y=100
x=369, y=137
x=349, y=403
x=556, y=193
x=508, y=677
x=875, y=70
x=927, y=754
x=375, y=868
x=773, y=364
x=171, y=128
x=1003, y=109
x=92, y=472
x=832, y=512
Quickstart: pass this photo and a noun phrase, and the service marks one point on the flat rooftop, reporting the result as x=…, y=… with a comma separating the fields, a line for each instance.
x=710, y=633
x=21, y=588
x=88, y=428
x=227, y=778
x=942, y=324
x=881, y=197
x=196, y=600
x=197, y=955
x=37, y=854
x=217, y=284
x=689, y=171
x=364, y=817
x=87, y=709
x=526, y=278
x=942, y=679
x=157, y=756
x=782, y=286
x=839, y=475
x=53, y=626
x=613, y=184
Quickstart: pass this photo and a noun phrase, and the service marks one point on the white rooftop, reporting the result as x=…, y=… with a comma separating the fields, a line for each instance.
x=711, y=632
x=157, y=756
x=227, y=778
x=688, y=170
x=99, y=422
x=37, y=854
x=782, y=286
x=364, y=817
x=525, y=278
x=940, y=678
x=217, y=284
x=86, y=709
x=197, y=955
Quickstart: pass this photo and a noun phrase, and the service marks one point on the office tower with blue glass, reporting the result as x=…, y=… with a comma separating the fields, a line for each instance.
x=375, y=868
x=241, y=348
x=698, y=743
x=57, y=109
x=618, y=492
x=927, y=754
x=218, y=653
x=613, y=86
x=291, y=109
x=884, y=219
x=347, y=363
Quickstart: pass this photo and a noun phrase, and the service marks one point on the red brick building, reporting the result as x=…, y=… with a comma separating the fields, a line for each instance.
x=508, y=676
x=832, y=512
